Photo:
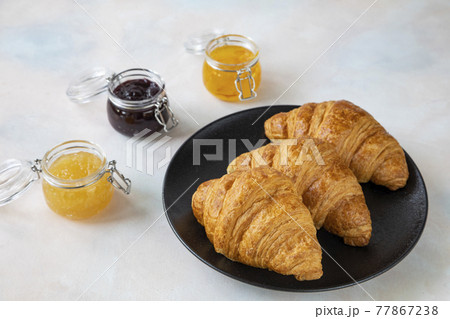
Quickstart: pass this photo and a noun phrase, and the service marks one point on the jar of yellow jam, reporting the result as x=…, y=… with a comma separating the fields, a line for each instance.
x=78, y=181
x=231, y=71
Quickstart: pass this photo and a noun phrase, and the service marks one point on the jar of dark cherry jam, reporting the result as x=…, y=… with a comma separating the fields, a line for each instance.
x=137, y=99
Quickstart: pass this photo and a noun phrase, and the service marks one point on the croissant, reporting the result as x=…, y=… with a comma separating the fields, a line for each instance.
x=361, y=142
x=256, y=218
x=329, y=189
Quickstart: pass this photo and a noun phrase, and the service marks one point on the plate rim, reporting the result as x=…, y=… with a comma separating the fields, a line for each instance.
x=286, y=289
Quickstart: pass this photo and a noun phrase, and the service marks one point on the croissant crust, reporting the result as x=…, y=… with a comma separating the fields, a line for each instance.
x=328, y=188
x=256, y=218
x=361, y=142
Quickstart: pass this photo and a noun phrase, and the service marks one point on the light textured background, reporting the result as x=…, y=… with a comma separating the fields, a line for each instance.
x=394, y=61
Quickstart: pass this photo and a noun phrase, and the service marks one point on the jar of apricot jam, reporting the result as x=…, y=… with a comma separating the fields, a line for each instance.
x=137, y=99
x=78, y=181
x=231, y=70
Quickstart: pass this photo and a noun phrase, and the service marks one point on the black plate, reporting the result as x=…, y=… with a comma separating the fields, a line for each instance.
x=398, y=218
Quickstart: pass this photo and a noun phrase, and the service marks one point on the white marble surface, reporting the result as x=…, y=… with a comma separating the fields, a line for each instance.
x=394, y=61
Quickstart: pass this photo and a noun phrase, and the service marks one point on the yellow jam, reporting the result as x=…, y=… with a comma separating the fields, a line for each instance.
x=221, y=83
x=81, y=202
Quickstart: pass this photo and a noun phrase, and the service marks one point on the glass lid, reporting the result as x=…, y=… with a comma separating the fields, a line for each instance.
x=196, y=43
x=87, y=85
x=16, y=176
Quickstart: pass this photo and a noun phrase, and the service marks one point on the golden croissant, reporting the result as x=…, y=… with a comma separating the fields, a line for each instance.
x=329, y=189
x=256, y=218
x=361, y=142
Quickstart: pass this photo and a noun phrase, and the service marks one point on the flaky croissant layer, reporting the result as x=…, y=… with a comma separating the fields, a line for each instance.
x=361, y=142
x=256, y=218
x=327, y=187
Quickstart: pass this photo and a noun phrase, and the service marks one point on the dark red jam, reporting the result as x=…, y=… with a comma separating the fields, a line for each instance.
x=137, y=90
x=130, y=121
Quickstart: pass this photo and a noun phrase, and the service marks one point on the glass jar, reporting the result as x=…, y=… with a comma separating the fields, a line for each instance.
x=78, y=181
x=137, y=99
x=231, y=70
